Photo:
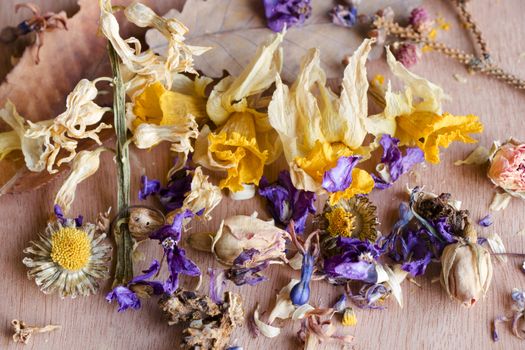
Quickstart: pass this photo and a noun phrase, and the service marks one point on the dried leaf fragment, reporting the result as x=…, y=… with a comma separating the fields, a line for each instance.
x=23, y=332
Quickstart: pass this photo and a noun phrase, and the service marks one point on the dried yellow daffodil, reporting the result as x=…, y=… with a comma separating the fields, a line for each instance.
x=43, y=143
x=322, y=132
x=85, y=164
x=415, y=115
x=244, y=140
x=144, y=68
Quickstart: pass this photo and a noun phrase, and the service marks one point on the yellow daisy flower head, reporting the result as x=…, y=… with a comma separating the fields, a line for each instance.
x=68, y=258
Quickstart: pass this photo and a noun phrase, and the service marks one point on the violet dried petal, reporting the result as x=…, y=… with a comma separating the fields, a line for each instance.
x=345, y=16
x=340, y=177
x=486, y=221
x=148, y=187
x=286, y=13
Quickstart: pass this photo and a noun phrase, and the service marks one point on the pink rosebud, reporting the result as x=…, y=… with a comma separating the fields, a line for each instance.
x=407, y=53
x=507, y=168
x=420, y=19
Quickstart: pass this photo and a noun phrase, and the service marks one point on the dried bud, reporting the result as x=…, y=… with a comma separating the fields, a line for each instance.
x=466, y=269
x=240, y=232
x=143, y=221
x=507, y=162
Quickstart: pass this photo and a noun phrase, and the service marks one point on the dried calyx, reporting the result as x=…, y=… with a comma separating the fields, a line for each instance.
x=209, y=325
x=466, y=268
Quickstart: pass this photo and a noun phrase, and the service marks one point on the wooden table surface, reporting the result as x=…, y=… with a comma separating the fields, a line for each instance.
x=428, y=321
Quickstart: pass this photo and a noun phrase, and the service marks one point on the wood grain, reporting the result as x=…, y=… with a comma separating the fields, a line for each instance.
x=428, y=321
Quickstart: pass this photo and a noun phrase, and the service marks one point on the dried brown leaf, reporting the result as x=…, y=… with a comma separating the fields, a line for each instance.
x=39, y=91
x=235, y=28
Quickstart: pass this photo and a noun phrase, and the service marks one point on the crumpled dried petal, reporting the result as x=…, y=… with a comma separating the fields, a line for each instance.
x=498, y=248
x=480, y=155
x=282, y=14
x=265, y=329
x=318, y=128
x=244, y=141
x=147, y=67
x=415, y=115
x=240, y=232
x=284, y=307
x=50, y=143
x=506, y=162
x=85, y=164
x=203, y=196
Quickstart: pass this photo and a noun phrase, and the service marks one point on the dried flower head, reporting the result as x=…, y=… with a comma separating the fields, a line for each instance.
x=68, y=258
x=355, y=217
x=466, y=270
x=239, y=233
x=507, y=164
x=420, y=20
x=209, y=325
x=282, y=14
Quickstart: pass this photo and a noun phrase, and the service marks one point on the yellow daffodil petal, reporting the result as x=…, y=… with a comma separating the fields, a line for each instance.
x=156, y=105
x=429, y=131
x=235, y=149
x=362, y=183
x=322, y=158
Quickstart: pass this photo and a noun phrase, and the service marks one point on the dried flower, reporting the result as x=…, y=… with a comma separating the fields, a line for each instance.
x=287, y=203
x=239, y=233
x=48, y=144
x=415, y=116
x=169, y=237
x=393, y=162
x=466, y=270
x=23, y=332
x=246, y=268
x=244, y=141
x=420, y=20
x=315, y=140
x=349, y=317
x=68, y=259
x=282, y=14
x=407, y=53
x=507, y=162
x=356, y=217
x=315, y=329
x=139, y=287
x=210, y=324
x=345, y=16
x=300, y=293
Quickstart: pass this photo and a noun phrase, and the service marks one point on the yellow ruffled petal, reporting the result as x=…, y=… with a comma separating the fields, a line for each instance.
x=362, y=183
x=429, y=131
x=146, y=106
x=322, y=158
x=235, y=149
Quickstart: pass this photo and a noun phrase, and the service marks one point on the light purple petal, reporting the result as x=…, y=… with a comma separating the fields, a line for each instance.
x=125, y=298
x=340, y=177
x=486, y=221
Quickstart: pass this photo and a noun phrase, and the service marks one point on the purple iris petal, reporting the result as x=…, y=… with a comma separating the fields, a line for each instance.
x=359, y=271
x=217, y=283
x=395, y=161
x=285, y=202
x=172, y=196
x=125, y=298
x=178, y=264
x=174, y=230
x=340, y=177
x=148, y=187
x=241, y=274
x=281, y=13
x=380, y=183
x=486, y=221
x=59, y=214
x=417, y=267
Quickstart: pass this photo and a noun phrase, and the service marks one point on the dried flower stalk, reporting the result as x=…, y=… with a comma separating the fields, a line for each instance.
x=23, y=332
x=123, y=238
x=472, y=62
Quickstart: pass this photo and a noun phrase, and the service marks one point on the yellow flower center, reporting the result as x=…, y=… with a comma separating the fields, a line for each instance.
x=70, y=248
x=340, y=222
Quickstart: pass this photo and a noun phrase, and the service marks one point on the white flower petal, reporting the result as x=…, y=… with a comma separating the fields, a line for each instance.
x=266, y=330
x=497, y=246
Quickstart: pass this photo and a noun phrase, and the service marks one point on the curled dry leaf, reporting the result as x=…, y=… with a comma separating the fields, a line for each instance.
x=82, y=54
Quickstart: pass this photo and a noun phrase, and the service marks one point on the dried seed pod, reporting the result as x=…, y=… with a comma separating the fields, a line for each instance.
x=143, y=221
x=466, y=269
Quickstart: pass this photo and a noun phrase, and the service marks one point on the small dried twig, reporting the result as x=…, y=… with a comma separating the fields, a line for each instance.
x=23, y=332
x=472, y=62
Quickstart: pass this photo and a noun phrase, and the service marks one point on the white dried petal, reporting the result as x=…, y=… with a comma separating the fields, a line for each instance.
x=266, y=330
x=296, y=262
x=479, y=156
x=500, y=201
x=301, y=311
x=85, y=164
x=203, y=195
x=247, y=192
x=284, y=307
x=9, y=142
x=395, y=278
x=497, y=246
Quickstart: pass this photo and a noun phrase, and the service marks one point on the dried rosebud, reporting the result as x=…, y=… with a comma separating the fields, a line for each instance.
x=406, y=53
x=466, y=269
x=420, y=20
x=143, y=221
x=239, y=233
x=507, y=163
